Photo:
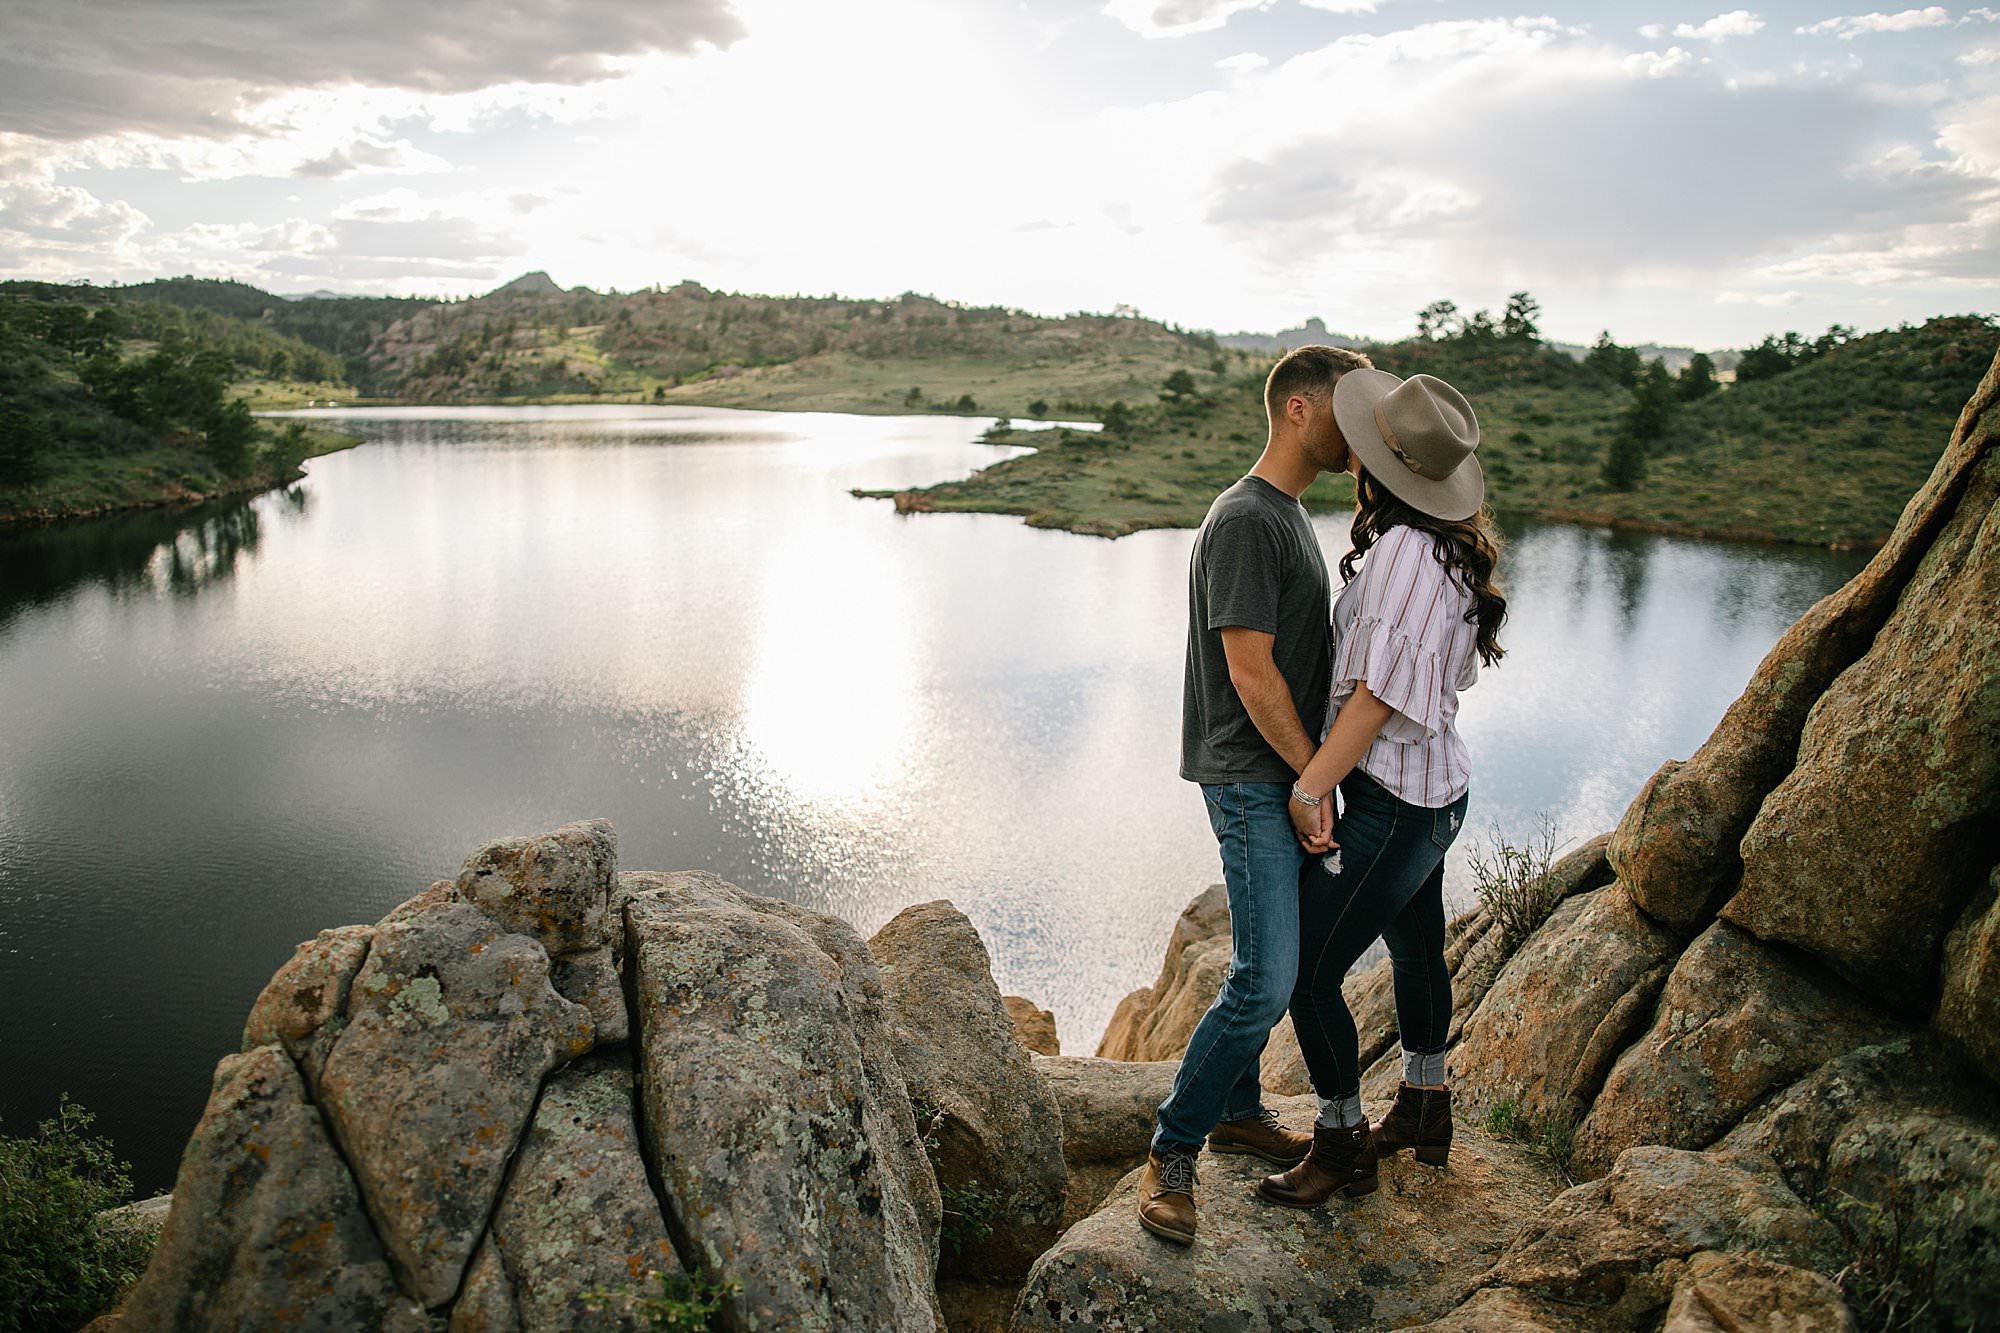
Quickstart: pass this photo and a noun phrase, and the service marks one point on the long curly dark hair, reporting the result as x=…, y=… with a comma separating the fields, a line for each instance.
x=1469, y=549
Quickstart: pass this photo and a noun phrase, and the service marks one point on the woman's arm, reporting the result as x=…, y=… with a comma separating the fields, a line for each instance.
x=1354, y=730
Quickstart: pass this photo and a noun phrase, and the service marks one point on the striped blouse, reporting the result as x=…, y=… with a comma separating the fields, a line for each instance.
x=1401, y=626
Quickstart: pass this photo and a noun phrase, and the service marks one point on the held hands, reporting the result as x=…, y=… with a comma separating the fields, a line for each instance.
x=1313, y=824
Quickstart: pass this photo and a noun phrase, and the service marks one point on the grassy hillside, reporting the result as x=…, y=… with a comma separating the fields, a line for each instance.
x=690, y=344
x=108, y=403
x=1825, y=454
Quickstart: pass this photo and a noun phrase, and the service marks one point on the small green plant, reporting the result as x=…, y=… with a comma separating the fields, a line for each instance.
x=1890, y=1281
x=969, y=1210
x=59, y=1267
x=683, y=1300
x=1514, y=883
x=1551, y=1138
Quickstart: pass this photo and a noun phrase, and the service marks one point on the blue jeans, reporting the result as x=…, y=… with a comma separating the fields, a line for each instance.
x=1261, y=865
x=1385, y=880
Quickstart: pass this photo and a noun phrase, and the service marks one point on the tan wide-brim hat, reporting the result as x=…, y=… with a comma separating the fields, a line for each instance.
x=1416, y=436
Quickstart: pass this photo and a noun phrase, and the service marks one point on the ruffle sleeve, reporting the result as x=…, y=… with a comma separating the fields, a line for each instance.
x=1400, y=670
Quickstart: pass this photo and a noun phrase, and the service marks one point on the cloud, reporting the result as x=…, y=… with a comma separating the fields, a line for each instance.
x=1661, y=64
x=1849, y=27
x=1178, y=18
x=1736, y=23
x=373, y=156
x=195, y=67
x=1243, y=62
x=1772, y=299
x=67, y=213
x=1984, y=55
x=1652, y=32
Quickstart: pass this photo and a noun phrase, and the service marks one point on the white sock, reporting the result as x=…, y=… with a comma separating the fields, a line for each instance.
x=1341, y=1112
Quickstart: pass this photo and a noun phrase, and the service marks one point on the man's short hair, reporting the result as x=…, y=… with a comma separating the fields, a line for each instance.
x=1309, y=370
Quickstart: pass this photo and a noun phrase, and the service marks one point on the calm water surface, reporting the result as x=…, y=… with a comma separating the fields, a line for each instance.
x=222, y=732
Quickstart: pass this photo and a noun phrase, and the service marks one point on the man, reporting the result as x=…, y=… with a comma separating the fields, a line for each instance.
x=1253, y=703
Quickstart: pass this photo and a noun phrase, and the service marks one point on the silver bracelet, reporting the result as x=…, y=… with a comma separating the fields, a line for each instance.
x=1310, y=802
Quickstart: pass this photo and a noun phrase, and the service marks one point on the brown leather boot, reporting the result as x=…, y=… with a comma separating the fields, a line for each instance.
x=1342, y=1161
x=1166, y=1196
x=1420, y=1119
x=1261, y=1136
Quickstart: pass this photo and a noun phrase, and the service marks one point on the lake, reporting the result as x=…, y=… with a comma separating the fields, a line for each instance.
x=222, y=731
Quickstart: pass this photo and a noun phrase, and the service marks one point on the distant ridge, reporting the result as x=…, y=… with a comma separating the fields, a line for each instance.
x=1314, y=333
x=537, y=283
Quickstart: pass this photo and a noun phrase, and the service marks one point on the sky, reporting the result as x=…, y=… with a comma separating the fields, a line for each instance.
x=1666, y=171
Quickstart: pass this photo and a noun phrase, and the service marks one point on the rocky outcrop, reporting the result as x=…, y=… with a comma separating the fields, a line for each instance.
x=1401, y=1254
x=1968, y=1012
x=993, y=1131
x=266, y=1217
x=1738, y=1018
x=1917, y=716
x=1544, y=1038
x=451, y=1024
x=1677, y=847
x=774, y=1111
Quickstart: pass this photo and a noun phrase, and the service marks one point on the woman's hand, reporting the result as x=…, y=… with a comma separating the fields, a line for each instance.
x=1313, y=824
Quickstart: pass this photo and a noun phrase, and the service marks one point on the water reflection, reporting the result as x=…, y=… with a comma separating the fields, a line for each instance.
x=221, y=734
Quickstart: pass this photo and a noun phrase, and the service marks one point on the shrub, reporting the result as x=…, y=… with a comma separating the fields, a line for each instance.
x=58, y=1266
x=683, y=1301
x=1514, y=882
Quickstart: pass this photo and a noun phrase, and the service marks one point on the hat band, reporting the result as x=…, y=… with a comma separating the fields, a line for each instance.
x=1396, y=447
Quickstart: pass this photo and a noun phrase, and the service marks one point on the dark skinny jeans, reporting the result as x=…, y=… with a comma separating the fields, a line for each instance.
x=1386, y=880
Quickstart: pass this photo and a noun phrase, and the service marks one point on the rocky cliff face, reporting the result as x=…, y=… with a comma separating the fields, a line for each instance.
x=1758, y=1030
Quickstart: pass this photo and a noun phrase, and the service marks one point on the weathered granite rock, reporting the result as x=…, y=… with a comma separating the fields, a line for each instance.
x=1400, y=1255
x=265, y=1218
x=1107, y=1119
x=591, y=979
x=977, y=1305
x=451, y=1025
x=1155, y=1022
x=304, y=1006
x=775, y=1112
x=996, y=1126
x=1505, y=1310
x=1034, y=1027
x=1728, y=1293
x=485, y=1302
x=578, y=1213
x=1738, y=1019
x=1676, y=849
x=1968, y=1013
x=555, y=886
x=144, y=1217
x=1546, y=1034
x=1895, y=1138
x=1618, y=1245
x=1910, y=732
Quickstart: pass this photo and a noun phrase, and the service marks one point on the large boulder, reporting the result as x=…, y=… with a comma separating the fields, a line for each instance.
x=1617, y=1246
x=1968, y=1012
x=1107, y=1121
x=774, y=1111
x=993, y=1129
x=1900, y=1146
x=1868, y=851
x=304, y=1006
x=1676, y=849
x=266, y=1218
x=578, y=1214
x=1402, y=1254
x=1725, y=1293
x=1737, y=1020
x=1575, y=994
x=451, y=1025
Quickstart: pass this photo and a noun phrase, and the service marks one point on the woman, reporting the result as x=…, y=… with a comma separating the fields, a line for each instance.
x=1410, y=629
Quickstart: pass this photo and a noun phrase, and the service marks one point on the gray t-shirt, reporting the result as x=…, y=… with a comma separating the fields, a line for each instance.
x=1256, y=564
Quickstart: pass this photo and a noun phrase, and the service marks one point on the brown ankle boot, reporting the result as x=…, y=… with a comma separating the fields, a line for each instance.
x=1166, y=1196
x=1420, y=1119
x=1342, y=1161
x=1261, y=1136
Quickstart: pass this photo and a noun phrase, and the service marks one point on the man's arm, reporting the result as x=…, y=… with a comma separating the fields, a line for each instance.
x=1265, y=695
